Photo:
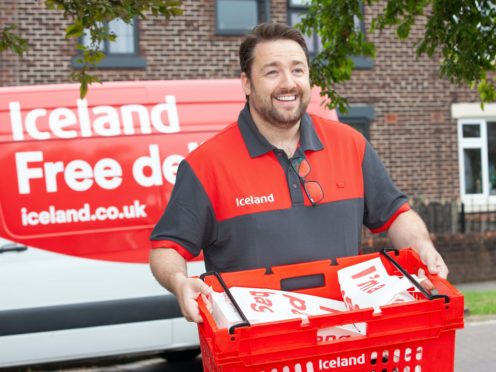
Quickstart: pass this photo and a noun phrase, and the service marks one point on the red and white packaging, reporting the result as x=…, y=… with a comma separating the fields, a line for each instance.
x=268, y=305
x=368, y=284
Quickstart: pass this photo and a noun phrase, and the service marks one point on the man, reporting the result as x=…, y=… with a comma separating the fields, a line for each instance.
x=279, y=186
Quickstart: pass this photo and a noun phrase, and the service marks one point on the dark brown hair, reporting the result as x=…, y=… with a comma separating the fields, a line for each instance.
x=267, y=32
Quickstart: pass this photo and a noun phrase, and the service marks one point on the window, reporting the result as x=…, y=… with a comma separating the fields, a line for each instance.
x=359, y=117
x=477, y=153
x=296, y=10
x=237, y=17
x=121, y=53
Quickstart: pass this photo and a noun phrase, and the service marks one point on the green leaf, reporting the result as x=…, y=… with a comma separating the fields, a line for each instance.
x=74, y=30
x=9, y=40
x=83, y=89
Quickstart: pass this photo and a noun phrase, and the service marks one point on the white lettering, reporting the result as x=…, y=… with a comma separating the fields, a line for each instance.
x=342, y=362
x=84, y=213
x=108, y=123
x=64, y=122
x=150, y=163
x=31, y=127
x=24, y=174
x=112, y=213
x=44, y=218
x=108, y=174
x=250, y=200
x=16, y=121
x=78, y=175
x=147, y=170
x=51, y=171
x=61, y=118
x=139, y=209
x=127, y=112
x=170, y=107
x=24, y=216
x=62, y=216
x=170, y=167
x=84, y=117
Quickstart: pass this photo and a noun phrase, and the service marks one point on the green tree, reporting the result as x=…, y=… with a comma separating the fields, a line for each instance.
x=92, y=15
x=460, y=33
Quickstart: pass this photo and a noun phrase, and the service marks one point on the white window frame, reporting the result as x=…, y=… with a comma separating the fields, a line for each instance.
x=471, y=113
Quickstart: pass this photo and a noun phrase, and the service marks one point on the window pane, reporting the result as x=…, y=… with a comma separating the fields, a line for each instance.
x=491, y=156
x=471, y=130
x=294, y=18
x=87, y=40
x=237, y=15
x=125, y=37
x=299, y=2
x=473, y=171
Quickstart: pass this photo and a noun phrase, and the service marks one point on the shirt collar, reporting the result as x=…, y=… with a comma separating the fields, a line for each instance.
x=258, y=145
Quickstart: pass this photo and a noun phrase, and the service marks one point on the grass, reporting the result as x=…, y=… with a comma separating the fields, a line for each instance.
x=480, y=303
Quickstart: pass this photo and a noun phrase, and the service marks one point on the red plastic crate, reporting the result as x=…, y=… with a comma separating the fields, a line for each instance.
x=411, y=337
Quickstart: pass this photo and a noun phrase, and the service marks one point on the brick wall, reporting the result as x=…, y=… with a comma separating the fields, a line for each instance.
x=469, y=257
x=413, y=131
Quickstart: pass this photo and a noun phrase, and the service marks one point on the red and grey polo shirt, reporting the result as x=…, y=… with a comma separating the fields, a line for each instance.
x=238, y=199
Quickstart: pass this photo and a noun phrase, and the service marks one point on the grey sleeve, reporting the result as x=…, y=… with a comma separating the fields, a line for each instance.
x=188, y=219
x=381, y=197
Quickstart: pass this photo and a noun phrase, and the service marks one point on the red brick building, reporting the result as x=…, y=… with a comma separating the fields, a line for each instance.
x=431, y=135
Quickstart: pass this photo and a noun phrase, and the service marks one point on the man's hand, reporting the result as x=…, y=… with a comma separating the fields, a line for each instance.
x=408, y=230
x=435, y=265
x=433, y=260
x=187, y=291
x=169, y=268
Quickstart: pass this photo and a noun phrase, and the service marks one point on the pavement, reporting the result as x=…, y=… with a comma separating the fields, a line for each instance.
x=474, y=345
x=477, y=286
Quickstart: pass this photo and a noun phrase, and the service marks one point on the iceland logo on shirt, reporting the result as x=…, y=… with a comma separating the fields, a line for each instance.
x=251, y=200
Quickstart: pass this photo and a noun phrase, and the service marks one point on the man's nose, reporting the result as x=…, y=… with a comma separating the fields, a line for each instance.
x=288, y=81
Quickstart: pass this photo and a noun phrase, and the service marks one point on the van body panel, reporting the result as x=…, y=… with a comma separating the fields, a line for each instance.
x=83, y=184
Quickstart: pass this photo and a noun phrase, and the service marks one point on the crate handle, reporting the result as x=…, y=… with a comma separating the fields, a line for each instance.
x=411, y=278
x=231, y=298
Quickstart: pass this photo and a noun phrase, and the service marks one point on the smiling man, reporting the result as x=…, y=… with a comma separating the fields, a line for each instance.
x=279, y=186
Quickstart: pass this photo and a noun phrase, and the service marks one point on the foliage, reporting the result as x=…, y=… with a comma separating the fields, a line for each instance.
x=9, y=40
x=461, y=33
x=93, y=16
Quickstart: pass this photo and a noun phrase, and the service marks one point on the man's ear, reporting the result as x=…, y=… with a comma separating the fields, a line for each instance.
x=246, y=84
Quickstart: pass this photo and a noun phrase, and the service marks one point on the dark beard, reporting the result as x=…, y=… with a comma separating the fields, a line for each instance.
x=270, y=114
x=273, y=116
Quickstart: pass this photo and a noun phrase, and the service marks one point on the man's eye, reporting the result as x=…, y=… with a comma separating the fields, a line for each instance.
x=271, y=72
x=298, y=71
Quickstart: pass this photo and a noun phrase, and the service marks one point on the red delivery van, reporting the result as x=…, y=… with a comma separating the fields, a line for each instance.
x=83, y=183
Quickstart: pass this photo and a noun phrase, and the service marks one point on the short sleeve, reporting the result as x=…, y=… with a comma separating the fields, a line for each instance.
x=383, y=201
x=188, y=223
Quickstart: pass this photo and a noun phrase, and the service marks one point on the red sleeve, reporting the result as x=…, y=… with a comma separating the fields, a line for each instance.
x=173, y=245
x=405, y=207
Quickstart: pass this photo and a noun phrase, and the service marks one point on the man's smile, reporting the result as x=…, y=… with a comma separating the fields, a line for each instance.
x=286, y=98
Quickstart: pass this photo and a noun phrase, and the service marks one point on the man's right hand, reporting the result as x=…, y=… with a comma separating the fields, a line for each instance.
x=169, y=268
x=187, y=291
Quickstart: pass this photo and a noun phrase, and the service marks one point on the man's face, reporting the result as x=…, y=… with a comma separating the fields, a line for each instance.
x=279, y=88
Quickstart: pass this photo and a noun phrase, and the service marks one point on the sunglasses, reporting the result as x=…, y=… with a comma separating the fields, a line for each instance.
x=312, y=189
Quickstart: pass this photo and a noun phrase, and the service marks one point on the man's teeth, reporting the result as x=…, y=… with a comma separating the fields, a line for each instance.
x=286, y=98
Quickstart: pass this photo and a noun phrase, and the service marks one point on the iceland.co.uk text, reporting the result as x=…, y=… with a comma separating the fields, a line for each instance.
x=53, y=215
